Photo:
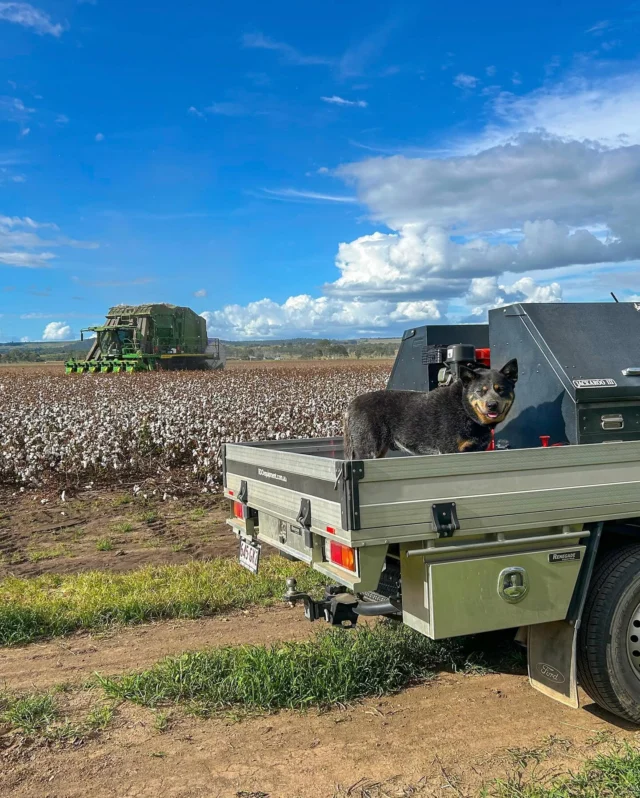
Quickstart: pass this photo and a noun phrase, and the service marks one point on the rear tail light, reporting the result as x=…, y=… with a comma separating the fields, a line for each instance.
x=344, y=556
x=239, y=510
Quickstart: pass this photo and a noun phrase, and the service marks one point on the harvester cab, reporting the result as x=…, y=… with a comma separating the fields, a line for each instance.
x=149, y=338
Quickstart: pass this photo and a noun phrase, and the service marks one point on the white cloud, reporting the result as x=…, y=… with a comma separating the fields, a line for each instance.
x=487, y=292
x=200, y=292
x=604, y=109
x=21, y=242
x=28, y=260
x=305, y=315
x=294, y=195
x=290, y=54
x=335, y=100
x=29, y=17
x=25, y=339
x=62, y=119
x=195, y=112
x=491, y=70
x=57, y=331
x=599, y=27
x=464, y=81
x=99, y=136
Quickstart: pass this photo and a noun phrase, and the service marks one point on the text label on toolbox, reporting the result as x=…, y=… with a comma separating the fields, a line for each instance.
x=564, y=556
x=604, y=383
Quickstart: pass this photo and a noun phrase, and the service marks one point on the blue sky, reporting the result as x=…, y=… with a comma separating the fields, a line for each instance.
x=329, y=168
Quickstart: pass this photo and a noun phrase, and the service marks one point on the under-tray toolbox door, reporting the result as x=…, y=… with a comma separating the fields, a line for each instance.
x=459, y=597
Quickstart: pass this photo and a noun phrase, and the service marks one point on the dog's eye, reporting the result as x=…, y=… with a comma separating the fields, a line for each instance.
x=484, y=389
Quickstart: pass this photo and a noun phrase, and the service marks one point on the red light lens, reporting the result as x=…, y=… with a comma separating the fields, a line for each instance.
x=331, y=530
x=238, y=509
x=342, y=555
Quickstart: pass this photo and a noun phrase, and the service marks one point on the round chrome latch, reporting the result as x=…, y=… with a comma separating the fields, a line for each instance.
x=513, y=584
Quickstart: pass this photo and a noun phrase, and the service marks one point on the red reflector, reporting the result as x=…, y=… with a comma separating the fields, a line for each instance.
x=230, y=492
x=331, y=530
x=238, y=509
x=483, y=356
x=342, y=555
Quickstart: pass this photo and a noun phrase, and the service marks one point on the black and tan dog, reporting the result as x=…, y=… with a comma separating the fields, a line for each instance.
x=455, y=418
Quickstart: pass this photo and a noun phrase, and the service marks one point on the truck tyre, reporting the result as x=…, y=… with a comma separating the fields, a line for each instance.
x=609, y=634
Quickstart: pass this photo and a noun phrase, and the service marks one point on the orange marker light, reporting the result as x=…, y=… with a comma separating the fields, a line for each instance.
x=342, y=555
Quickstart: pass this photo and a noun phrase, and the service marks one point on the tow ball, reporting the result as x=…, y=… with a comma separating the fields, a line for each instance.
x=337, y=607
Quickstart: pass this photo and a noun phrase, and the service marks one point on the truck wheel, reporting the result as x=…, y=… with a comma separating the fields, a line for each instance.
x=609, y=634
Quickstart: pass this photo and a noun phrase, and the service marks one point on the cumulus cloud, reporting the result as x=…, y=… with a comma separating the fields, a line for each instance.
x=307, y=315
x=57, y=331
x=487, y=292
x=335, y=100
x=29, y=17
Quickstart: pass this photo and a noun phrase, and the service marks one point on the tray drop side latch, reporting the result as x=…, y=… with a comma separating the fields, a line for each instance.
x=444, y=519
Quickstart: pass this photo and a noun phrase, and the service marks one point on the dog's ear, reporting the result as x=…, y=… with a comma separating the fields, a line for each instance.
x=466, y=375
x=510, y=370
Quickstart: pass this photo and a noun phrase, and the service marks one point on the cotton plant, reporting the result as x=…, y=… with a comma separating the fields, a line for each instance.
x=68, y=429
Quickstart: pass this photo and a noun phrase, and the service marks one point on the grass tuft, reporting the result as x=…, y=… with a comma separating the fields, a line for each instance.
x=104, y=544
x=53, y=605
x=336, y=667
x=29, y=713
x=610, y=775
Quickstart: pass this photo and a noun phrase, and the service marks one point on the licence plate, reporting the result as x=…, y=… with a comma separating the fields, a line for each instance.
x=249, y=555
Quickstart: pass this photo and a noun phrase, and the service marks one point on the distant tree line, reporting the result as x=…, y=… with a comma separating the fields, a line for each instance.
x=310, y=350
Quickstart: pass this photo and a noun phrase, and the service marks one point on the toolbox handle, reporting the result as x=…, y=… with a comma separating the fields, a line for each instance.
x=631, y=371
x=493, y=544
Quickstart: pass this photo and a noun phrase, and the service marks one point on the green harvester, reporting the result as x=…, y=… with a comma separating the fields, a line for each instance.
x=150, y=337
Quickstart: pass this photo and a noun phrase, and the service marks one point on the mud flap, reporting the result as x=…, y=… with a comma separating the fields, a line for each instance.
x=551, y=651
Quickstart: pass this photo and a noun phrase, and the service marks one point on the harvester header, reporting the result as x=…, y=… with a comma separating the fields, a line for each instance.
x=149, y=337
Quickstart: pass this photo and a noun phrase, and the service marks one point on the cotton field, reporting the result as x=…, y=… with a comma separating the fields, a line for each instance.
x=72, y=429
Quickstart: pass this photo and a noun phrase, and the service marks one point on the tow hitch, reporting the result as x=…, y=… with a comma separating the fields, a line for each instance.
x=337, y=607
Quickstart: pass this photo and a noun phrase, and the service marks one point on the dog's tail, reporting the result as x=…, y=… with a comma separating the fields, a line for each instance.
x=349, y=454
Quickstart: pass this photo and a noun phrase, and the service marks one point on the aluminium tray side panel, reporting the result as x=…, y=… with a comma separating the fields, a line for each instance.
x=529, y=486
x=493, y=491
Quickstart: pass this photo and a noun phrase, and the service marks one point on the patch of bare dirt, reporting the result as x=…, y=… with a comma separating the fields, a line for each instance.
x=108, y=530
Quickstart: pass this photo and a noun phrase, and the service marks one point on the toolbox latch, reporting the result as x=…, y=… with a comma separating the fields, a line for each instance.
x=243, y=493
x=444, y=519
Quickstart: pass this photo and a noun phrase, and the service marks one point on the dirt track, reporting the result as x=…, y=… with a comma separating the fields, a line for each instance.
x=442, y=738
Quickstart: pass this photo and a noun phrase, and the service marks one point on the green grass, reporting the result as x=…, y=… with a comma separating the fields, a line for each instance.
x=29, y=713
x=38, y=715
x=53, y=604
x=336, y=667
x=104, y=544
x=123, y=527
x=612, y=775
x=37, y=555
